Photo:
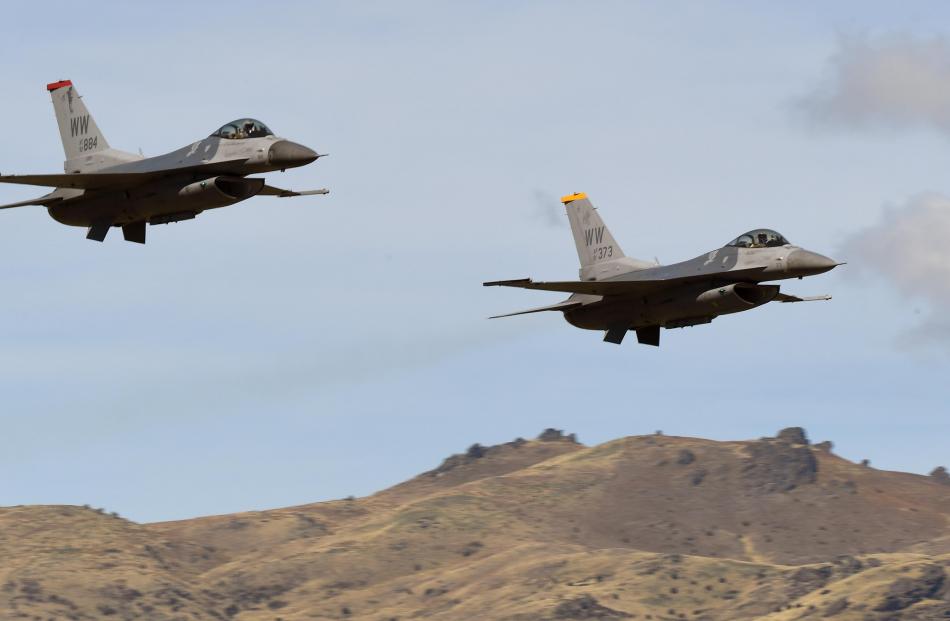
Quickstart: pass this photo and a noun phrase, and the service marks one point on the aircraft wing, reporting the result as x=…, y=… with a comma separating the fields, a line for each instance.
x=45, y=201
x=99, y=180
x=784, y=297
x=591, y=287
x=642, y=282
x=270, y=190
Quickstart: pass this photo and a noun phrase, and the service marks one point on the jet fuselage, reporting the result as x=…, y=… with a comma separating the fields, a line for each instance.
x=218, y=182
x=721, y=282
x=617, y=293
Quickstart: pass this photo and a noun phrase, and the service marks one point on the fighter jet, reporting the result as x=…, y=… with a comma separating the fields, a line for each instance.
x=103, y=187
x=617, y=293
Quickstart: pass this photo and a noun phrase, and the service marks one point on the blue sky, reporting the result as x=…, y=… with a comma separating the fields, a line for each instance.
x=287, y=351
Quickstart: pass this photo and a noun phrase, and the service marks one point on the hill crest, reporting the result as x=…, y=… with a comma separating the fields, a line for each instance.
x=653, y=525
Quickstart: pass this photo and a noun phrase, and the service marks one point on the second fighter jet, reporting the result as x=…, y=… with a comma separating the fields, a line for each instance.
x=617, y=293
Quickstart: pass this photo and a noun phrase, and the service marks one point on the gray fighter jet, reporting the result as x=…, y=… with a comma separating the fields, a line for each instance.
x=104, y=187
x=617, y=293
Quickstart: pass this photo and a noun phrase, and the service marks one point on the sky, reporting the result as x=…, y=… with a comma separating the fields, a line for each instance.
x=286, y=351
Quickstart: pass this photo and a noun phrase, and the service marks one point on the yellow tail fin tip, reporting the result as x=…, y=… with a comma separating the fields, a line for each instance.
x=573, y=197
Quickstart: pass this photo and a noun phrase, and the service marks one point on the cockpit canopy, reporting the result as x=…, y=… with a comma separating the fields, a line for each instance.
x=759, y=238
x=243, y=128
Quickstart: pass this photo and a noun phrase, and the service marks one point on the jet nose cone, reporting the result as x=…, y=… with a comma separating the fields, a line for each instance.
x=287, y=154
x=806, y=262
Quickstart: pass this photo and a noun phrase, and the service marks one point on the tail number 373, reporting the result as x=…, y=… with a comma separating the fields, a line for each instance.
x=603, y=252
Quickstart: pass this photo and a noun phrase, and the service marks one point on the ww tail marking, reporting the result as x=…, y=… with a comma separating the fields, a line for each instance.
x=594, y=235
x=79, y=125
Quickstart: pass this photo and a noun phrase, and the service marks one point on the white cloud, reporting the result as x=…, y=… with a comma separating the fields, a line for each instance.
x=891, y=81
x=908, y=248
x=895, y=81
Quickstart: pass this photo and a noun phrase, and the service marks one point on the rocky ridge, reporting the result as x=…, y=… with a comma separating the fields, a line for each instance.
x=644, y=527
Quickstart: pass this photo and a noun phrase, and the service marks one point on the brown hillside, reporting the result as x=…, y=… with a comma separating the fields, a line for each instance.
x=647, y=527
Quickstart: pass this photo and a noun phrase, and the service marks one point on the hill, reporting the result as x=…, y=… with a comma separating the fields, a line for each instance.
x=644, y=527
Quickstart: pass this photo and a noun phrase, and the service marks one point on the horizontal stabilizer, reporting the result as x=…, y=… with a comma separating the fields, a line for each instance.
x=97, y=180
x=45, y=201
x=784, y=297
x=270, y=190
x=561, y=306
x=517, y=282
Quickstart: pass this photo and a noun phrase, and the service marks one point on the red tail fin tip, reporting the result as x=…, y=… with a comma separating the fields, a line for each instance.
x=57, y=85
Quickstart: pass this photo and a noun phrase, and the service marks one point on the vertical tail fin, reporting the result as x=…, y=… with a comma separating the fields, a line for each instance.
x=85, y=146
x=77, y=128
x=594, y=242
x=598, y=251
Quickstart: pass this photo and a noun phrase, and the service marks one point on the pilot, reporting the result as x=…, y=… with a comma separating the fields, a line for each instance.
x=249, y=129
x=763, y=239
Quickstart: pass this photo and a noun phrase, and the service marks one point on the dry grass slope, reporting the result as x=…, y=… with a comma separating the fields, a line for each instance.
x=648, y=527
